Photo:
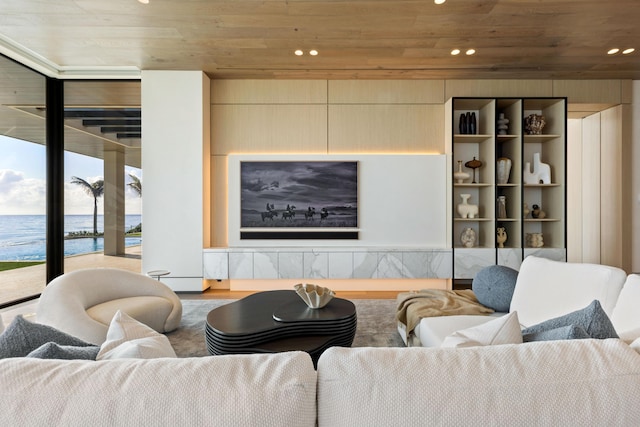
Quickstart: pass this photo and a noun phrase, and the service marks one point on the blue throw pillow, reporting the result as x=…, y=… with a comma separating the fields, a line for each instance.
x=592, y=319
x=22, y=337
x=493, y=287
x=53, y=350
x=571, y=332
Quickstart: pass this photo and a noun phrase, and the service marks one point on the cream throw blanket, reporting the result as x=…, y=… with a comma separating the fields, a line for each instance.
x=414, y=305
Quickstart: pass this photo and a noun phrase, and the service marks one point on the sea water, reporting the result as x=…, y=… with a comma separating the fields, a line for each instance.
x=23, y=237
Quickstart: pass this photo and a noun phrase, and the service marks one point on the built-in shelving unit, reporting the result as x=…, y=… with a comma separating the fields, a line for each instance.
x=524, y=230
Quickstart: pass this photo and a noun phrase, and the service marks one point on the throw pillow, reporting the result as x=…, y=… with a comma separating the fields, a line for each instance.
x=592, y=319
x=53, y=350
x=494, y=285
x=502, y=330
x=128, y=338
x=571, y=332
x=22, y=337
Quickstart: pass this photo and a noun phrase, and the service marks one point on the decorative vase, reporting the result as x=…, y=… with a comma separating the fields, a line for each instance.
x=502, y=207
x=468, y=237
x=501, y=236
x=525, y=210
x=465, y=209
x=473, y=124
x=538, y=213
x=462, y=126
x=533, y=124
x=541, y=172
x=459, y=175
x=534, y=240
x=473, y=164
x=502, y=124
x=503, y=170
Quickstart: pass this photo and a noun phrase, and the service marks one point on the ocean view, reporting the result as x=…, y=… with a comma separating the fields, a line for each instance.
x=22, y=237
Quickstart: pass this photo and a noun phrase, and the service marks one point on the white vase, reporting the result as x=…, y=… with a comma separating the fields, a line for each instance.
x=465, y=209
x=503, y=170
x=459, y=175
x=541, y=173
x=468, y=237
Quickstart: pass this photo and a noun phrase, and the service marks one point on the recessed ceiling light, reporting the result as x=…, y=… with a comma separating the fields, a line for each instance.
x=471, y=51
x=455, y=52
x=299, y=52
x=144, y=1
x=439, y=1
x=613, y=51
x=628, y=51
x=313, y=52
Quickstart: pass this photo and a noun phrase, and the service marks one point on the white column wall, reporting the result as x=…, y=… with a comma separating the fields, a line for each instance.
x=175, y=139
x=635, y=186
x=114, y=203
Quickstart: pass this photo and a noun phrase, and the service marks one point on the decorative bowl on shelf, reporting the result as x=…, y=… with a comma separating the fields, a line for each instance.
x=313, y=295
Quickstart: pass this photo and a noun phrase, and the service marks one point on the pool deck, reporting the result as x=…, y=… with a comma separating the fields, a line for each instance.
x=22, y=282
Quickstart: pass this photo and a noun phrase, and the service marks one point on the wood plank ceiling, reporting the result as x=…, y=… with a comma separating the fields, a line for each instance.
x=368, y=39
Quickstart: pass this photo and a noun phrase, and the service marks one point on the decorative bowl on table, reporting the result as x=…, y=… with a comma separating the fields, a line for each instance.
x=313, y=295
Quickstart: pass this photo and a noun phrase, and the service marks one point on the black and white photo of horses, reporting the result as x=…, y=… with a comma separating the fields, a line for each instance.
x=299, y=194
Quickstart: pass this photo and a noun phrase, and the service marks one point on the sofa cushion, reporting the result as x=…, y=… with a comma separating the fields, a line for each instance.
x=265, y=390
x=128, y=338
x=494, y=285
x=22, y=337
x=592, y=319
x=53, y=350
x=553, y=383
x=501, y=330
x=431, y=331
x=570, y=332
x=626, y=316
x=546, y=289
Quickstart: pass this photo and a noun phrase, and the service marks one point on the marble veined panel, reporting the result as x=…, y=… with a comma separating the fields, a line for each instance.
x=340, y=265
x=365, y=265
x=554, y=254
x=510, y=257
x=316, y=265
x=469, y=261
x=241, y=265
x=215, y=265
x=389, y=265
x=265, y=265
x=290, y=265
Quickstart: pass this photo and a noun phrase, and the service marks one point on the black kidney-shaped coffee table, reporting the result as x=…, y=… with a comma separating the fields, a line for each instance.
x=275, y=321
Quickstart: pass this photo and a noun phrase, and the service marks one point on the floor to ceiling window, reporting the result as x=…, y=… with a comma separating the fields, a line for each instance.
x=22, y=182
x=102, y=178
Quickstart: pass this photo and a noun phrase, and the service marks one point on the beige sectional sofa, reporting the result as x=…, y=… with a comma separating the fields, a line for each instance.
x=568, y=383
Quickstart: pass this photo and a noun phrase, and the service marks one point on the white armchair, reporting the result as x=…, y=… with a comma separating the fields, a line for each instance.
x=83, y=302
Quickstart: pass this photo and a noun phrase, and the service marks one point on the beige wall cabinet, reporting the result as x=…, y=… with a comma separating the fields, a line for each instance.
x=484, y=200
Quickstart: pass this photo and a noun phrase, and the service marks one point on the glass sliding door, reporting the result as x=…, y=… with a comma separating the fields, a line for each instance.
x=103, y=179
x=22, y=182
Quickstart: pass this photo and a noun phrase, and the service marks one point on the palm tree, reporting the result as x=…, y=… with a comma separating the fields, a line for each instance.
x=95, y=189
x=136, y=184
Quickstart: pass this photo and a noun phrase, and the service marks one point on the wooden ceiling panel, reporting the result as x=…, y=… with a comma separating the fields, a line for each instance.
x=356, y=38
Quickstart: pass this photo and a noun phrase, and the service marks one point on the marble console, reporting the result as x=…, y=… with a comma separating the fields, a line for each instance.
x=327, y=263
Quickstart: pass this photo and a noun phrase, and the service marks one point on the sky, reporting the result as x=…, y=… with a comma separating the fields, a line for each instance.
x=22, y=181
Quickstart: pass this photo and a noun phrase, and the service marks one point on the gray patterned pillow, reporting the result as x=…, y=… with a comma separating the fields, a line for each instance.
x=22, y=337
x=53, y=350
x=592, y=319
x=571, y=332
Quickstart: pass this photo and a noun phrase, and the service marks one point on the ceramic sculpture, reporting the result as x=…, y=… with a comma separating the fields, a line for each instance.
x=313, y=295
x=460, y=175
x=465, y=209
x=468, y=237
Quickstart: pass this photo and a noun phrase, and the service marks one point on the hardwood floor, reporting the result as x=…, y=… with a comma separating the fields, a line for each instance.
x=225, y=294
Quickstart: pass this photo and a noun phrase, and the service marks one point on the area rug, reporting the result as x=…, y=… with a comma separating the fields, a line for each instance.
x=376, y=325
